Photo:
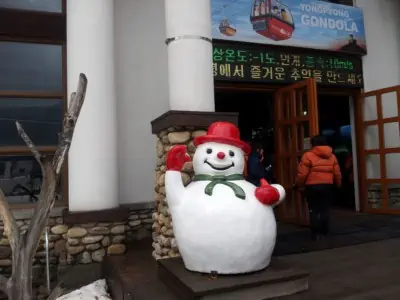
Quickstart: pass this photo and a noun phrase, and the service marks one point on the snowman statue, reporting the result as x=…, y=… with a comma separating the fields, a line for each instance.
x=222, y=223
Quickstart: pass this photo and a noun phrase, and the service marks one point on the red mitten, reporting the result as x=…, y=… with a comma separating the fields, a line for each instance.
x=177, y=157
x=267, y=194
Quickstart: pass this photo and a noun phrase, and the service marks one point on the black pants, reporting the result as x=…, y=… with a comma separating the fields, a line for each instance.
x=319, y=198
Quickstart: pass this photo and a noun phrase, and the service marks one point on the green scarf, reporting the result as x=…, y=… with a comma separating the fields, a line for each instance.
x=221, y=179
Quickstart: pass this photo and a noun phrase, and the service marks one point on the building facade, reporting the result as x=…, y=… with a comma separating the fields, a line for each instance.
x=143, y=59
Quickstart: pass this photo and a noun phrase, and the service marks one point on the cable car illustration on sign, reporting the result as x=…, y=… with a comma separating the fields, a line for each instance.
x=272, y=19
x=227, y=28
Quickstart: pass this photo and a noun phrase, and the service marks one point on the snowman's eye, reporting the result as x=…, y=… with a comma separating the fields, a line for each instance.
x=231, y=153
x=209, y=151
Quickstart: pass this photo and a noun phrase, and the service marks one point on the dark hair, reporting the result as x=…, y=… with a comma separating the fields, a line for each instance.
x=319, y=140
x=255, y=145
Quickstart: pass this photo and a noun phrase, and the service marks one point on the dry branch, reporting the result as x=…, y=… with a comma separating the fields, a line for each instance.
x=11, y=229
x=23, y=247
x=75, y=106
x=29, y=144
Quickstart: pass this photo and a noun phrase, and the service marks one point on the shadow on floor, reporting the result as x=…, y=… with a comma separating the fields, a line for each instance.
x=347, y=229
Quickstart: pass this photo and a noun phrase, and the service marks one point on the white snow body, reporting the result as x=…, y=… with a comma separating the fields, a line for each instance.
x=221, y=232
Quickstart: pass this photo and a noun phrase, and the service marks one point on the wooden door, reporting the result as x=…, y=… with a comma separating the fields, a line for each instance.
x=379, y=142
x=296, y=121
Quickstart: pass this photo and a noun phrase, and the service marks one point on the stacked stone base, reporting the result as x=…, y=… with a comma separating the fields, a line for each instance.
x=139, y=225
x=86, y=243
x=164, y=243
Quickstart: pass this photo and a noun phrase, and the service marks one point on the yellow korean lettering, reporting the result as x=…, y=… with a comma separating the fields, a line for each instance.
x=267, y=72
x=279, y=73
x=255, y=72
x=305, y=73
x=285, y=59
x=225, y=70
x=317, y=75
x=238, y=71
x=331, y=76
x=295, y=74
x=296, y=61
x=351, y=78
x=215, y=69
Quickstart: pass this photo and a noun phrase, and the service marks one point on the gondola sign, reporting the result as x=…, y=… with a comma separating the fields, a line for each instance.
x=266, y=64
x=297, y=23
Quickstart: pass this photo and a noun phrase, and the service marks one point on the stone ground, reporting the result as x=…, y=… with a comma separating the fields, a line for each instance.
x=367, y=271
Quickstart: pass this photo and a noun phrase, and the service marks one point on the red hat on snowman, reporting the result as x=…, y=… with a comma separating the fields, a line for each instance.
x=223, y=133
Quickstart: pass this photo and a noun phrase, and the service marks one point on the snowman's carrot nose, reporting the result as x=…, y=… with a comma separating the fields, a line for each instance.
x=221, y=155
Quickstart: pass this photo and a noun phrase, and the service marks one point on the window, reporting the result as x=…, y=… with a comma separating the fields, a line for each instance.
x=21, y=179
x=30, y=67
x=41, y=119
x=35, y=5
x=32, y=91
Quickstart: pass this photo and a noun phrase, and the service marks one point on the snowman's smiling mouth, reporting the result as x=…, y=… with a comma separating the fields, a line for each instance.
x=219, y=168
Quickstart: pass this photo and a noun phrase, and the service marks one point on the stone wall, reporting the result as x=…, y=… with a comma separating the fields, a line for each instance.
x=77, y=244
x=164, y=243
x=86, y=243
x=139, y=225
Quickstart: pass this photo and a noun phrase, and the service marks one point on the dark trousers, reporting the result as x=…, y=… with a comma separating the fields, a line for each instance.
x=319, y=198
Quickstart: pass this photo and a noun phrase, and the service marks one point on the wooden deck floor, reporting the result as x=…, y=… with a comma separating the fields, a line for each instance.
x=367, y=271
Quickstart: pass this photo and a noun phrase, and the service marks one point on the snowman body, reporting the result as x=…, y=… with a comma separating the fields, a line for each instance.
x=220, y=232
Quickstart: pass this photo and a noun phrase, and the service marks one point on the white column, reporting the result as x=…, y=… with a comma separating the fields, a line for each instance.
x=93, y=155
x=191, y=85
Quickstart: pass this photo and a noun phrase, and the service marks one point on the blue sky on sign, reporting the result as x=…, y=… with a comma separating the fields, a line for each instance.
x=238, y=12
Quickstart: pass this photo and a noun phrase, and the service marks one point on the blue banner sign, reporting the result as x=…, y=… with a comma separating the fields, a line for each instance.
x=297, y=23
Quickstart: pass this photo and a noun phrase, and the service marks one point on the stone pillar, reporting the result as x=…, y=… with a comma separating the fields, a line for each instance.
x=176, y=128
x=93, y=155
x=188, y=28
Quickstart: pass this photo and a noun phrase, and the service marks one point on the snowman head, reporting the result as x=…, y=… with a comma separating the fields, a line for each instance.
x=218, y=159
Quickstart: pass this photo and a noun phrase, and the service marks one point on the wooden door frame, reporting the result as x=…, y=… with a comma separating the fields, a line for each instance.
x=363, y=153
x=354, y=93
x=282, y=95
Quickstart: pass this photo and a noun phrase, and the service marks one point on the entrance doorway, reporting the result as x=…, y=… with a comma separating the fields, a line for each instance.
x=284, y=120
x=256, y=120
x=287, y=117
x=335, y=124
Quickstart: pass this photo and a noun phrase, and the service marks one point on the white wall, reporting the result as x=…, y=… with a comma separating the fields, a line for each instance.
x=142, y=80
x=382, y=69
x=382, y=63
x=142, y=92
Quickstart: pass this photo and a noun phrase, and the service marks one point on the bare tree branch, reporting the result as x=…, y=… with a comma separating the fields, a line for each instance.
x=29, y=143
x=42, y=208
x=11, y=229
x=70, y=120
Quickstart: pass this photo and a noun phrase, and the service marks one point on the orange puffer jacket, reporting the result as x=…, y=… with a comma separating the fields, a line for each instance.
x=318, y=166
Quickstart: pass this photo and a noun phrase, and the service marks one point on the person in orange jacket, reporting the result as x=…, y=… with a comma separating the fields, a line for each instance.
x=317, y=175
